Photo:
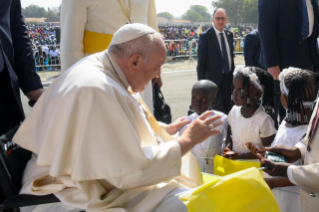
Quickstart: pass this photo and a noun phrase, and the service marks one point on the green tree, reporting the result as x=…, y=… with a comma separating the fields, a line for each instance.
x=251, y=11
x=234, y=8
x=203, y=11
x=166, y=15
x=33, y=11
x=192, y=16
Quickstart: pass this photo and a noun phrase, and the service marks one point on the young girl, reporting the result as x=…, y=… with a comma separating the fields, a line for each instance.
x=299, y=90
x=249, y=119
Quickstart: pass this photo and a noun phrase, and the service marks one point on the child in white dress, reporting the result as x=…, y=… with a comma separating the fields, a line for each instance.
x=249, y=119
x=300, y=85
x=204, y=94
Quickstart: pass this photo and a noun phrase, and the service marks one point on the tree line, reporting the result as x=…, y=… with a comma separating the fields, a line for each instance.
x=238, y=11
x=34, y=11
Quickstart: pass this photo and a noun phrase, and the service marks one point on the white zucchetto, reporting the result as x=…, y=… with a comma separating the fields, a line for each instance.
x=130, y=32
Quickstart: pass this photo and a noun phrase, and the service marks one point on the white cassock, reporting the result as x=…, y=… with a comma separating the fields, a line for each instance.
x=87, y=27
x=93, y=146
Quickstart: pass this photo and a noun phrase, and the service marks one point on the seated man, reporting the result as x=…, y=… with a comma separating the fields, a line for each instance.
x=96, y=145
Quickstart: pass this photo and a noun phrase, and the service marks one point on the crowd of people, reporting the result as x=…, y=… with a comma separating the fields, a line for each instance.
x=44, y=45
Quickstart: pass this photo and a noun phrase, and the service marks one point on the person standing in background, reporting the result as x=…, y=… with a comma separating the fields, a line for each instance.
x=288, y=31
x=216, y=57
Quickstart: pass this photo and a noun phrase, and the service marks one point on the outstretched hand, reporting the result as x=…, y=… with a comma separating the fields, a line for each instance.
x=201, y=129
x=256, y=148
x=232, y=156
x=292, y=153
x=274, y=169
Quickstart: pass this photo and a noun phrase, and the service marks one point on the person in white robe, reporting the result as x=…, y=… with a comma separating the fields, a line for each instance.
x=87, y=27
x=96, y=145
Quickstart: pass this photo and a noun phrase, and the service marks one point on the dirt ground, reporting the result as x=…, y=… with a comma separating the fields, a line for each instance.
x=170, y=65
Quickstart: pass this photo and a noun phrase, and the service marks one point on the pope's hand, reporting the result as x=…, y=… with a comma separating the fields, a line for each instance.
x=201, y=129
x=177, y=125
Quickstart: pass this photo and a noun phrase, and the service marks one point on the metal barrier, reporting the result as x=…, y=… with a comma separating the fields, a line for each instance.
x=47, y=61
x=188, y=48
x=175, y=49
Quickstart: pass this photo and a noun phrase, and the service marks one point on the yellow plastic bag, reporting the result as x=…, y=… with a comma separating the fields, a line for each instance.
x=242, y=191
x=224, y=166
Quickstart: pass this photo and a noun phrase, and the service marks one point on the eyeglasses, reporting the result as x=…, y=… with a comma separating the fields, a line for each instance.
x=220, y=19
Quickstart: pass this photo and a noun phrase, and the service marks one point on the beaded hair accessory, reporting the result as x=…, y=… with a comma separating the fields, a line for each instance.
x=253, y=78
x=285, y=90
x=294, y=116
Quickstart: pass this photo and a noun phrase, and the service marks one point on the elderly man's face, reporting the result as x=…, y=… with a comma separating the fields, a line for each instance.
x=150, y=68
x=220, y=20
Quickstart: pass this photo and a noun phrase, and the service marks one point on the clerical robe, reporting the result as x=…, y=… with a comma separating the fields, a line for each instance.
x=93, y=146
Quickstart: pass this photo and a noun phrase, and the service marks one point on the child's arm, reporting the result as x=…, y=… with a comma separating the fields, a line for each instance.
x=268, y=140
x=275, y=182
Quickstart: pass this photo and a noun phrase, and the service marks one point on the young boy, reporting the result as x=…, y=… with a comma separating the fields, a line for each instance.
x=204, y=93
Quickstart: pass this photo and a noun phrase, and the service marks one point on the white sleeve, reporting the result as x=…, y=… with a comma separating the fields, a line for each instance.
x=302, y=147
x=73, y=22
x=152, y=17
x=267, y=127
x=289, y=173
x=165, y=165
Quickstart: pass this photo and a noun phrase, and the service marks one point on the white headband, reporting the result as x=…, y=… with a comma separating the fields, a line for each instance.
x=285, y=90
x=253, y=78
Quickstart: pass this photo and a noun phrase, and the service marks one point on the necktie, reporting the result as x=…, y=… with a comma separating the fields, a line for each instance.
x=305, y=20
x=224, y=54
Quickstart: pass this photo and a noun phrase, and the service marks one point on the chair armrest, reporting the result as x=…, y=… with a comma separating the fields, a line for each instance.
x=27, y=200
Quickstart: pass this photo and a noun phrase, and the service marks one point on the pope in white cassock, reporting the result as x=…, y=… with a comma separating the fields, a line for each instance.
x=87, y=27
x=95, y=144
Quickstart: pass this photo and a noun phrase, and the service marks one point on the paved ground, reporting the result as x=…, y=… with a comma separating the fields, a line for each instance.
x=176, y=89
x=178, y=78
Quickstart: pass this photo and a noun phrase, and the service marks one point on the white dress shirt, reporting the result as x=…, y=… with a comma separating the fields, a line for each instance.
x=310, y=16
x=220, y=45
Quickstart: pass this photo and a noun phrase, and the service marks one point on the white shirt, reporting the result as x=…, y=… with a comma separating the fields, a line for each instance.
x=220, y=45
x=310, y=16
x=252, y=129
x=289, y=136
x=211, y=146
x=54, y=53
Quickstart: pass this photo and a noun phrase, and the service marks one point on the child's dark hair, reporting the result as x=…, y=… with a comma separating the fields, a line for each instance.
x=267, y=83
x=303, y=90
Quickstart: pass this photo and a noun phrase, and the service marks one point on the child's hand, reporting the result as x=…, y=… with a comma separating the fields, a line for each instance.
x=227, y=153
x=256, y=148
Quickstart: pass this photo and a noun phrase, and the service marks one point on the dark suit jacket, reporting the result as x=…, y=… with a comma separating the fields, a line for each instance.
x=17, y=52
x=209, y=64
x=280, y=23
x=252, y=49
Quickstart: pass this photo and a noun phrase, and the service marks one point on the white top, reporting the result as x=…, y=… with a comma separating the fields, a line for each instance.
x=211, y=146
x=290, y=136
x=252, y=129
x=220, y=45
x=310, y=16
x=54, y=53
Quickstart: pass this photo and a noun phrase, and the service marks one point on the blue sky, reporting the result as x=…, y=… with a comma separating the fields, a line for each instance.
x=176, y=7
